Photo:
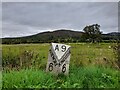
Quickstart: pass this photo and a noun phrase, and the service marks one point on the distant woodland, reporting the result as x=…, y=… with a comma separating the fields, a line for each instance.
x=60, y=36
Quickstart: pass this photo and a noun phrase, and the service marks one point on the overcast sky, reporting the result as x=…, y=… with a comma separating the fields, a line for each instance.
x=22, y=19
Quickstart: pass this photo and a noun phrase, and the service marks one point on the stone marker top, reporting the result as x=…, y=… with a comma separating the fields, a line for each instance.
x=60, y=49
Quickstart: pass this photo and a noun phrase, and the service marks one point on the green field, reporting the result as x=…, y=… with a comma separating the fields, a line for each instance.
x=91, y=66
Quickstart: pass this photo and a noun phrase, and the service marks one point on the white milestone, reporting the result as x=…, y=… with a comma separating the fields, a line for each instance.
x=58, y=59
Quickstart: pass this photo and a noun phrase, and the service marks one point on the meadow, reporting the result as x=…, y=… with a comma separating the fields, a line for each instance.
x=91, y=66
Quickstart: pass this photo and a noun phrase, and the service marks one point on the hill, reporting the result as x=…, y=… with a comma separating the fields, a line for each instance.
x=111, y=36
x=57, y=36
x=54, y=36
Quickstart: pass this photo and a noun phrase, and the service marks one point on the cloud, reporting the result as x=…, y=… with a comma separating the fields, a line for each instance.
x=61, y=1
x=25, y=18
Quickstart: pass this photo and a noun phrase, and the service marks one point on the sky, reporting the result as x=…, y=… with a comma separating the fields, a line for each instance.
x=28, y=18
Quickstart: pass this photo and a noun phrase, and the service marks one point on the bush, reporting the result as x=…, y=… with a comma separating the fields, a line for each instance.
x=116, y=49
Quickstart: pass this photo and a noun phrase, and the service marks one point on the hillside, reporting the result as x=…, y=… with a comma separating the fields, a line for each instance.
x=56, y=36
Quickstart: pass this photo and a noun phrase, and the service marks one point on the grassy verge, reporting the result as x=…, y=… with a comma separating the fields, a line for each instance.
x=79, y=77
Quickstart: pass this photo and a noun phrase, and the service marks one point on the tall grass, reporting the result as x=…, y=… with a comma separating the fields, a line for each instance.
x=35, y=55
x=20, y=56
x=82, y=77
x=91, y=66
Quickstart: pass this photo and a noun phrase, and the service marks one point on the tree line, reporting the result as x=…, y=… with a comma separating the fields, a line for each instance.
x=91, y=33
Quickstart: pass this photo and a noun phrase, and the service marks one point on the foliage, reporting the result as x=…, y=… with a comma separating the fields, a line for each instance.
x=92, y=33
x=82, y=77
x=35, y=55
x=116, y=49
x=91, y=66
x=24, y=56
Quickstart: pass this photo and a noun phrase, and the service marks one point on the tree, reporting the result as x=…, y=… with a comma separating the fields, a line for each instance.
x=92, y=33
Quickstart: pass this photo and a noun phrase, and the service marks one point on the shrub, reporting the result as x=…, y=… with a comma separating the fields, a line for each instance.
x=116, y=49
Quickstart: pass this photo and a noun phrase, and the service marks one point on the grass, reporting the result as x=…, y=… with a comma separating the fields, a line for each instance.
x=0, y=79
x=82, y=77
x=91, y=66
x=82, y=54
